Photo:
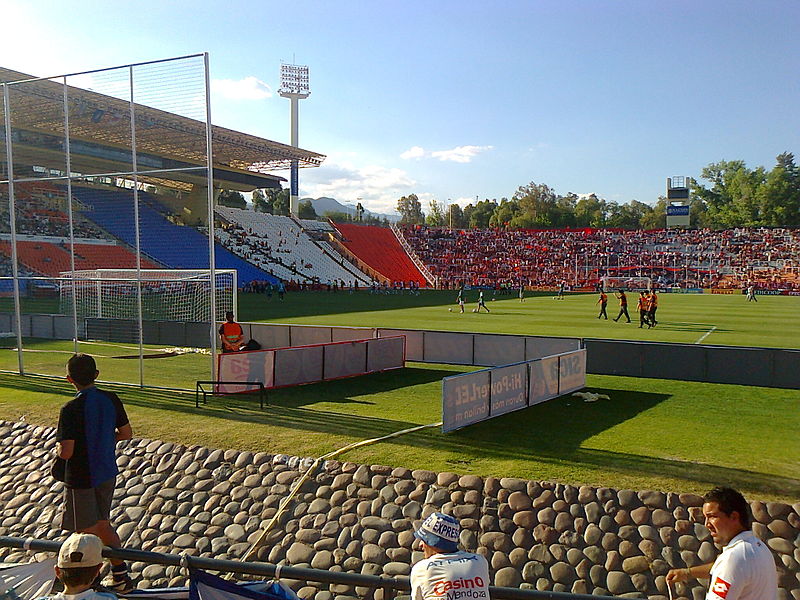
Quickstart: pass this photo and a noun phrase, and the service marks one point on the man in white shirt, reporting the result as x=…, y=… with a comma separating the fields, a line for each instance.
x=745, y=570
x=446, y=573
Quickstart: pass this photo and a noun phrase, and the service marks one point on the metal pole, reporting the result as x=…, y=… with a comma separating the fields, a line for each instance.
x=294, y=177
x=137, y=232
x=12, y=215
x=70, y=216
x=212, y=272
x=270, y=570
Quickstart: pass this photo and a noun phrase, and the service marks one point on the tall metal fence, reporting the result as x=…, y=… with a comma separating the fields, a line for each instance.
x=98, y=168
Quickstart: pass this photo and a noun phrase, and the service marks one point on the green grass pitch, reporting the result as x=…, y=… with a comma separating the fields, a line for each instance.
x=652, y=434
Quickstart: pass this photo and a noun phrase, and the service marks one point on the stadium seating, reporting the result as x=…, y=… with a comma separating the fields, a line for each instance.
x=280, y=239
x=44, y=258
x=379, y=248
x=176, y=246
x=687, y=258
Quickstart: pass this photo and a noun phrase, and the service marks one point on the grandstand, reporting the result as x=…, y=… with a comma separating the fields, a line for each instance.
x=378, y=248
x=770, y=258
x=172, y=245
x=282, y=241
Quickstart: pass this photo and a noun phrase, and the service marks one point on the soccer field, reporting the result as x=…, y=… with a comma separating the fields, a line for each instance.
x=773, y=321
x=651, y=434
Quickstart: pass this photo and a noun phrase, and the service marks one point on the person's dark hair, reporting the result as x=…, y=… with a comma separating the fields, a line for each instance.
x=82, y=368
x=77, y=576
x=729, y=500
x=229, y=315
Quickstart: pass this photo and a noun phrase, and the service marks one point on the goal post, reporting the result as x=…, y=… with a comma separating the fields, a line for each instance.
x=628, y=284
x=167, y=294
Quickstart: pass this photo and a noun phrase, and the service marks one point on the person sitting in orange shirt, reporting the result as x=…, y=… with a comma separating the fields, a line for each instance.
x=231, y=334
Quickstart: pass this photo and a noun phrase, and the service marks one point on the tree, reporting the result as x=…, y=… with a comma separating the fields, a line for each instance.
x=436, y=216
x=305, y=210
x=260, y=203
x=338, y=216
x=591, y=211
x=479, y=215
x=628, y=216
x=504, y=213
x=410, y=210
x=455, y=217
x=231, y=199
x=280, y=204
x=657, y=217
x=779, y=196
x=538, y=202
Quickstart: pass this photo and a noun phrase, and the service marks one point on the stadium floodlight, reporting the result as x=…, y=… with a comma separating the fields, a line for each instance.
x=295, y=87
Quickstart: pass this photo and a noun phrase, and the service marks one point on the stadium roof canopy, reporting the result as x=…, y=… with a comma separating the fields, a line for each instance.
x=100, y=138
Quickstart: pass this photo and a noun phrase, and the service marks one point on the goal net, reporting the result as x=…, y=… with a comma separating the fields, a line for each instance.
x=633, y=284
x=167, y=294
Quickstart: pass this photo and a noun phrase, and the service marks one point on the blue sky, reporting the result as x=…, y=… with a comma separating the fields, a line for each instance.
x=456, y=99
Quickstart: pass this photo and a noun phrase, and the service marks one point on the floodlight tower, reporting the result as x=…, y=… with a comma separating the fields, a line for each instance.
x=294, y=85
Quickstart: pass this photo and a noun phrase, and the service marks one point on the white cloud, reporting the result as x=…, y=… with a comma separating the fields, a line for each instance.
x=460, y=154
x=462, y=202
x=413, y=152
x=249, y=88
x=377, y=187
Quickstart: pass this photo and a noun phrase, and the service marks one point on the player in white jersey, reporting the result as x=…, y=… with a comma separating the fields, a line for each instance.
x=745, y=570
x=447, y=573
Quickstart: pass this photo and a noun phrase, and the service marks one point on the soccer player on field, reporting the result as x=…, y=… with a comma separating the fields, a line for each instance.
x=603, y=302
x=653, y=308
x=623, y=306
x=643, y=306
x=460, y=300
x=481, y=303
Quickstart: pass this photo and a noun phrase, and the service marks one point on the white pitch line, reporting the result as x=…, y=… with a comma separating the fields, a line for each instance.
x=706, y=334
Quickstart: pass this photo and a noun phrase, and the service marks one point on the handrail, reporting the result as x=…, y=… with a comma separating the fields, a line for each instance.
x=429, y=277
x=389, y=584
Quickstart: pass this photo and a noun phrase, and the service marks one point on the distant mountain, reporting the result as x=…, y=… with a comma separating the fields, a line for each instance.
x=325, y=204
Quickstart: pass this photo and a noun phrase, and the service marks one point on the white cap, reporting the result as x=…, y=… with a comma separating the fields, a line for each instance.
x=80, y=550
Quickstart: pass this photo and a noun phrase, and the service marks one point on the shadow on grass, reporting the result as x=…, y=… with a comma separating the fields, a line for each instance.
x=550, y=432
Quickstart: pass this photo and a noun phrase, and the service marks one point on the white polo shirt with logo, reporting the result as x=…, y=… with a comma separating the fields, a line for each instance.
x=451, y=576
x=744, y=571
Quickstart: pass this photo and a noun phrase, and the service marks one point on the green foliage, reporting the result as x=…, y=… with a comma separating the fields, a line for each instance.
x=436, y=214
x=338, y=216
x=231, y=199
x=305, y=210
x=455, y=217
x=261, y=203
x=742, y=197
x=410, y=210
x=480, y=214
x=280, y=202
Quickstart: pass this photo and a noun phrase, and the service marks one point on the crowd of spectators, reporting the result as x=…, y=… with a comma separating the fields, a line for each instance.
x=770, y=258
x=40, y=211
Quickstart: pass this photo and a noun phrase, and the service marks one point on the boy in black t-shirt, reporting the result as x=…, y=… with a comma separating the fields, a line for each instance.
x=89, y=427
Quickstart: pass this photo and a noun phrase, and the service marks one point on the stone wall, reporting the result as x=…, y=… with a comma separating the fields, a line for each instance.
x=360, y=518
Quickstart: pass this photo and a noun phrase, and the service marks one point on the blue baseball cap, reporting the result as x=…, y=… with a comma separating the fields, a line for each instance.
x=440, y=531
